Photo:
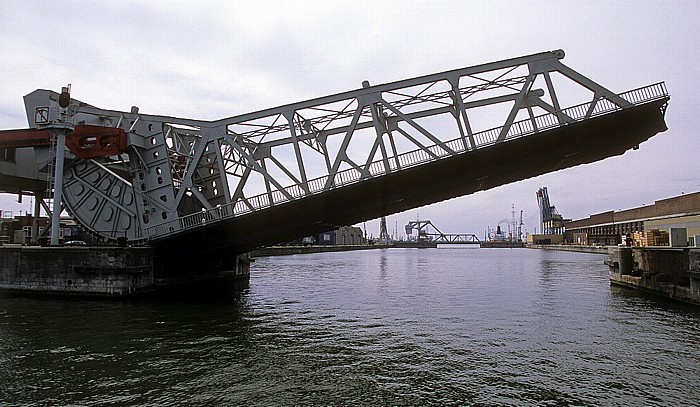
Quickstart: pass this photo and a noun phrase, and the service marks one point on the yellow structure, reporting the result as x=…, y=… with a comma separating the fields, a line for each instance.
x=545, y=239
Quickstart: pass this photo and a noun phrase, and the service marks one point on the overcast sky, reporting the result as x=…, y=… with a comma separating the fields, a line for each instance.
x=215, y=60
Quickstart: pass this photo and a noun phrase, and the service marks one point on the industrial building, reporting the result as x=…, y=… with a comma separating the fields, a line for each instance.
x=668, y=222
x=343, y=236
x=349, y=235
x=17, y=229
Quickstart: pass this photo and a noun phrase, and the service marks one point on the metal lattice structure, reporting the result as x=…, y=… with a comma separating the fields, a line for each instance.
x=179, y=174
x=550, y=220
x=427, y=231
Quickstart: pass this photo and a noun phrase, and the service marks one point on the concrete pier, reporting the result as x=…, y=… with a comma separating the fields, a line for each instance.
x=670, y=272
x=289, y=250
x=571, y=248
x=101, y=271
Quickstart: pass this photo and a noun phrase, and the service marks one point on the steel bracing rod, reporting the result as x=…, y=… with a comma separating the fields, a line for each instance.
x=187, y=184
x=306, y=125
x=45, y=205
x=394, y=151
x=267, y=182
x=215, y=134
x=598, y=90
x=536, y=101
x=380, y=129
x=326, y=154
x=252, y=162
x=238, y=195
x=419, y=225
x=460, y=110
x=343, y=147
x=416, y=126
x=497, y=82
x=235, y=164
x=474, y=70
x=519, y=104
x=553, y=96
x=300, y=162
x=362, y=170
x=285, y=170
x=416, y=142
x=419, y=98
x=442, y=98
x=435, y=227
x=222, y=172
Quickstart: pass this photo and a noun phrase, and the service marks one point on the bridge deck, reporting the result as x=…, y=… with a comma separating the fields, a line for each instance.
x=497, y=164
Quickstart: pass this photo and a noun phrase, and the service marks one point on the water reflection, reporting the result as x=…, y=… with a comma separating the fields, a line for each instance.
x=383, y=263
x=492, y=327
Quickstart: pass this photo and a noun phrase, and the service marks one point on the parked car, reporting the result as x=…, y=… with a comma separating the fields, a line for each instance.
x=75, y=243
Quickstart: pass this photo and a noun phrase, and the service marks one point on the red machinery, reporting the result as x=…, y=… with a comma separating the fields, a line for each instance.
x=85, y=141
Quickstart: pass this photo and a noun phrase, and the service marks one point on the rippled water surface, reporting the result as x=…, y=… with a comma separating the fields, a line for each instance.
x=446, y=326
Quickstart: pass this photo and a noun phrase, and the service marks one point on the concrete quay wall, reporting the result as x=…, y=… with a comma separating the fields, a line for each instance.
x=109, y=271
x=571, y=248
x=670, y=272
x=289, y=250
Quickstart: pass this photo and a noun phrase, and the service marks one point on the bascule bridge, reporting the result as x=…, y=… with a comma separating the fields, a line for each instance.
x=196, y=188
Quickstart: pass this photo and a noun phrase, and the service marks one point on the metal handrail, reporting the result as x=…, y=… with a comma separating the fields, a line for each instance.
x=409, y=159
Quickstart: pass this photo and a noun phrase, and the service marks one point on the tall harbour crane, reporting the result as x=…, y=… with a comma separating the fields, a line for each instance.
x=551, y=220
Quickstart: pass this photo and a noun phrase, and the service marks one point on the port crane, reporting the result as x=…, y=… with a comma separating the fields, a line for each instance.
x=520, y=227
x=551, y=220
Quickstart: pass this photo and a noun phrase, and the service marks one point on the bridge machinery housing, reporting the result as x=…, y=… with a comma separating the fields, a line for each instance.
x=258, y=178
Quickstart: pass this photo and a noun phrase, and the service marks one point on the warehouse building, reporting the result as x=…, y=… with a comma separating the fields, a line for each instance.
x=668, y=222
x=343, y=236
x=17, y=229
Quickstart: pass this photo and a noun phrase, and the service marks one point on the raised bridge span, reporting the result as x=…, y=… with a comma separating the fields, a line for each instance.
x=191, y=186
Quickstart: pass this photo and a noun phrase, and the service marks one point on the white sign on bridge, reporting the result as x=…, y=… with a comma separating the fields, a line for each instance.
x=41, y=115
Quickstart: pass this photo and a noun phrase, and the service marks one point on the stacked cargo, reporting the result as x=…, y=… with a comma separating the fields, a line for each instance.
x=638, y=239
x=659, y=237
x=653, y=237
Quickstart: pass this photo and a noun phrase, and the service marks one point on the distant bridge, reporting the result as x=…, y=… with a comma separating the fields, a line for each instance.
x=194, y=187
x=422, y=227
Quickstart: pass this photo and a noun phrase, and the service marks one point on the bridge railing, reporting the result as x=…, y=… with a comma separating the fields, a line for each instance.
x=409, y=159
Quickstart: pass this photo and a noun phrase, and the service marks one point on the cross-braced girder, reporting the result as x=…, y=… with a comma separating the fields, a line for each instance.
x=188, y=173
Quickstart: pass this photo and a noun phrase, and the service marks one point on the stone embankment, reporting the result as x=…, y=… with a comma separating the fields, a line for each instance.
x=76, y=270
x=104, y=271
x=289, y=250
x=671, y=272
x=571, y=248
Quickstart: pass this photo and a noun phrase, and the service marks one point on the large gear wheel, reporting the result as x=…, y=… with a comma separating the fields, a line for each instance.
x=101, y=201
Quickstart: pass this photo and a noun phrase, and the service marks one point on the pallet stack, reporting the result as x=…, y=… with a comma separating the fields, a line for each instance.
x=653, y=237
x=638, y=239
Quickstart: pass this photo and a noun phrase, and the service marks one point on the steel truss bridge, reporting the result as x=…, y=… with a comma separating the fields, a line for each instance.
x=424, y=233
x=195, y=186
